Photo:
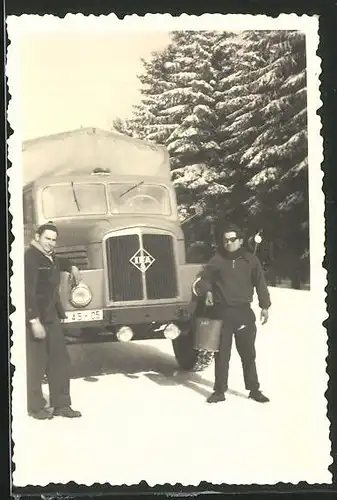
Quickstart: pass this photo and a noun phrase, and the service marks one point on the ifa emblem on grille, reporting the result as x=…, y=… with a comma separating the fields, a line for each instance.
x=142, y=260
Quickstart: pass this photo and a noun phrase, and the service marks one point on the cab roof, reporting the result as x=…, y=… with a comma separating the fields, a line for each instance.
x=79, y=152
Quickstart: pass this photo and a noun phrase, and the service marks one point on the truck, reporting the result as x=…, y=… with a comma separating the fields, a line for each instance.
x=115, y=207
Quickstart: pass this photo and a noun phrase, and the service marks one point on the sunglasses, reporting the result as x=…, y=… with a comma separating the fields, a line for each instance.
x=231, y=240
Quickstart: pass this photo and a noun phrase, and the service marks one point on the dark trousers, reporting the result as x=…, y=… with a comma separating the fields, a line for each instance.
x=48, y=356
x=240, y=322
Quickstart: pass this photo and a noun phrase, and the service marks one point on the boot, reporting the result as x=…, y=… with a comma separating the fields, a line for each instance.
x=66, y=411
x=216, y=397
x=258, y=396
x=41, y=414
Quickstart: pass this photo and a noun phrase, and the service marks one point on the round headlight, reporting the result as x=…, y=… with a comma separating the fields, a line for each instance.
x=171, y=331
x=80, y=296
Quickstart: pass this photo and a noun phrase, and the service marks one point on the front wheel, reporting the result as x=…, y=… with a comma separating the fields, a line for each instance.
x=187, y=357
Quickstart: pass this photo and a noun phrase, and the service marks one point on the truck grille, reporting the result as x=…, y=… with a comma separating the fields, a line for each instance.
x=126, y=280
x=161, y=280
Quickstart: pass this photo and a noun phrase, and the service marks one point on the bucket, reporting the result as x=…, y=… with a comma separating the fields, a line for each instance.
x=207, y=334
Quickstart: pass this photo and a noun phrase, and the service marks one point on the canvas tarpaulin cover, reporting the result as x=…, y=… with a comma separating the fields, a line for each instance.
x=80, y=151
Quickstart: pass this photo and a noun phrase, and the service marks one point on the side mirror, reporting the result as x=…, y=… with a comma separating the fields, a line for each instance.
x=197, y=212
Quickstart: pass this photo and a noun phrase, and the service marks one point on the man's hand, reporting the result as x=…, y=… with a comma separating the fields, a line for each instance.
x=38, y=329
x=209, y=299
x=264, y=316
x=75, y=275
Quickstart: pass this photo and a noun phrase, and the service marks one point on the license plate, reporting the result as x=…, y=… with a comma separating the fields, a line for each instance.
x=88, y=315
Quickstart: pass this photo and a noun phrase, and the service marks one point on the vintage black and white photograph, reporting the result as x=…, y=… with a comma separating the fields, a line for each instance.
x=168, y=215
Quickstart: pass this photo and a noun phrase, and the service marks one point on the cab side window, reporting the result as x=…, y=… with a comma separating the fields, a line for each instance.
x=28, y=208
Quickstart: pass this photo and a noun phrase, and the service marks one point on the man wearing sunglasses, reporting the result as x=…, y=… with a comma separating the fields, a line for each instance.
x=227, y=284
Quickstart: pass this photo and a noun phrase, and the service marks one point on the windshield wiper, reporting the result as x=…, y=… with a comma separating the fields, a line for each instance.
x=131, y=188
x=75, y=197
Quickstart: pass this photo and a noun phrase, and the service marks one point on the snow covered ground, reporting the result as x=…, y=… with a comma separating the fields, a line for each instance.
x=144, y=421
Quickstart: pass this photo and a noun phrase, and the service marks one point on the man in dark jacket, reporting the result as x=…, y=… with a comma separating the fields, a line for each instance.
x=227, y=283
x=45, y=343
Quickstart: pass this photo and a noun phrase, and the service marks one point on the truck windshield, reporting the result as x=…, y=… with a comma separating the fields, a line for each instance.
x=74, y=198
x=128, y=198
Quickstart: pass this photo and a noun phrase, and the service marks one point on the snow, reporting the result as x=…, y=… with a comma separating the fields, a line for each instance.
x=199, y=175
x=276, y=106
x=181, y=146
x=296, y=169
x=183, y=92
x=202, y=110
x=144, y=420
x=288, y=147
x=300, y=119
x=186, y=132
x=211, y=146
x=201, y=85
x=216, y=189
x=184, y=61
x=175, y=110
x=265, y=175
x=186, y=149
x=184, y=76
x=192, y=120
x=290, y=200
x=169, y=65
x=233, y=77
x=294, y=81
x=237, y=102
x=254, y=206
x=264, y=138
x=242, y=122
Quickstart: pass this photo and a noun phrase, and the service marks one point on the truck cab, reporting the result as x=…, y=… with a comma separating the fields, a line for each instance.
x=115, y=207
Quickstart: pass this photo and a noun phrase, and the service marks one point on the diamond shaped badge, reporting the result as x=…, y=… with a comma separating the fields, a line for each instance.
x=142, y=260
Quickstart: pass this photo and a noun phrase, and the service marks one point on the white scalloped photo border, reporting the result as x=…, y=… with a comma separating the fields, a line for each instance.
x=16, y=25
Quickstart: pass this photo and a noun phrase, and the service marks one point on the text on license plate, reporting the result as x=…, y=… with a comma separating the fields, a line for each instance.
x=88, y=315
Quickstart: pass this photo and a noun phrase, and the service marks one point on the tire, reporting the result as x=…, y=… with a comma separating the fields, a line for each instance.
x=189, y=358
x=203, y=360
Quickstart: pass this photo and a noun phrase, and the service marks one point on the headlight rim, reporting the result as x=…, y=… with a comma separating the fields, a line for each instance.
x=74, y=289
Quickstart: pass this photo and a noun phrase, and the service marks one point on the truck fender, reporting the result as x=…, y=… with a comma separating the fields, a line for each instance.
x=94, y=279
x=188, y=273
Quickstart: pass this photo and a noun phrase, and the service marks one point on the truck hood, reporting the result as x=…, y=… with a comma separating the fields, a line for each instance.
x=83, y=232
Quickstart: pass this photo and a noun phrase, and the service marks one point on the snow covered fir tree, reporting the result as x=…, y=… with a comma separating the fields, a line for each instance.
x=231, y=110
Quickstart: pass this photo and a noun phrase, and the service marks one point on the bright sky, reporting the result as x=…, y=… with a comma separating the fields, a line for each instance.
x=74, y=80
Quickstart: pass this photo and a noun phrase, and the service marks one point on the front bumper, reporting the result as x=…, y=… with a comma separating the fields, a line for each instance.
x=138, y=315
